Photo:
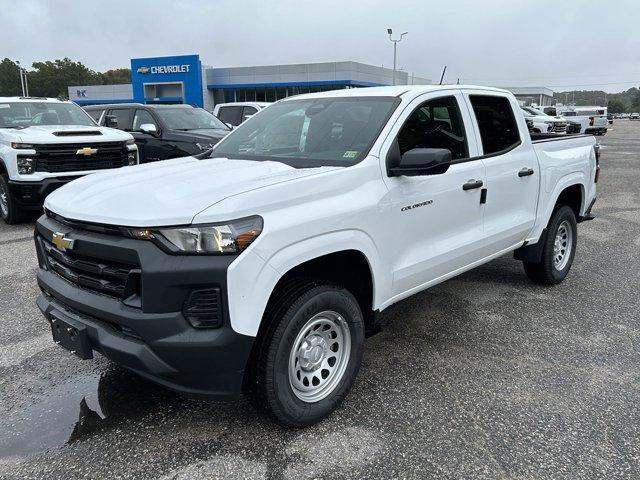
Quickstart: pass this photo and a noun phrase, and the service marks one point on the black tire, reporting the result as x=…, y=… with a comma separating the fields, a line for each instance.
x=270, y=386
x=546, y=272
x=10, y=213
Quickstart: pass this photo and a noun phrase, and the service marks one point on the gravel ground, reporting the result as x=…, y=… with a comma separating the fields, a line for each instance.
x=484, y=376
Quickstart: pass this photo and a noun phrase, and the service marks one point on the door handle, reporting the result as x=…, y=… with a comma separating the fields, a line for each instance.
x=471, y=184
x=525, y=172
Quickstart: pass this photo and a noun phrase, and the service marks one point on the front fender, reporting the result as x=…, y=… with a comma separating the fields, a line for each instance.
x=251, y=278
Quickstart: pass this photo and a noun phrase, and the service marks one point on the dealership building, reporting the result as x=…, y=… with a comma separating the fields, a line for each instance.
x=185, y=79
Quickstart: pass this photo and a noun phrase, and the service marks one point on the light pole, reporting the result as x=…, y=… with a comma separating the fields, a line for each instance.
x=23, y=80
x=395, y=46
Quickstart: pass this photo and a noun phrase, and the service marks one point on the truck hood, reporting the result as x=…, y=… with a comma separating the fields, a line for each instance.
x=68, y=134
x=165, y=193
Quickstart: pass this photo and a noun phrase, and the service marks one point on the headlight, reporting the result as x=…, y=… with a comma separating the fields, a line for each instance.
x=131, y=158
x=25, y=165
x=131, y=141
x=224, y=238
x=205, y=146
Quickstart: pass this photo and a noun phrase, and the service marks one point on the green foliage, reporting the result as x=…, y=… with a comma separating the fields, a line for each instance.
x=629, y=100
x=51, y=78
x=615, y=106
x=9, y=78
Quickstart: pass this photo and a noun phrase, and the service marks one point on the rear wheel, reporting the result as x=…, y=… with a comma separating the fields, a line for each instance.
x=9, y=211
x=309, y=355
x=558, y=251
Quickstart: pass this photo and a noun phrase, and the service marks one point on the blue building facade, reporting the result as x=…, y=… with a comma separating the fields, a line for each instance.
x=184, y=79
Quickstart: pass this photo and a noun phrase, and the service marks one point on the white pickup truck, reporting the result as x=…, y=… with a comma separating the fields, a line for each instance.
x=45, y=143
x=262, y=268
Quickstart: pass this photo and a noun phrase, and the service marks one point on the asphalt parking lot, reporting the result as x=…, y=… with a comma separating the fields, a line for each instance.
x=484, y=376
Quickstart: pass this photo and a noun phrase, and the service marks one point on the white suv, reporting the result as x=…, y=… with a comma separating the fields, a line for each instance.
x=45, y=143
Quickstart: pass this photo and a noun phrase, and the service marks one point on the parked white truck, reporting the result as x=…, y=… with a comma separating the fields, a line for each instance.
x=592, y=120
x=262, y=268
x=45, y=143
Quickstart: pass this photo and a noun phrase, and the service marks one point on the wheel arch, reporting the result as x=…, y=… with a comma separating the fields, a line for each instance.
x=351, y=255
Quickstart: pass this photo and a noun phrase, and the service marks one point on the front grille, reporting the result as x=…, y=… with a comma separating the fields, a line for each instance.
x=107, y=277
x=64, y=157
x=560, y=127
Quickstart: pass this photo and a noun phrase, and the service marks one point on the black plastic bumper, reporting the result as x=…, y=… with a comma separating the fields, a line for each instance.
x=31, y=195
x=154, y=340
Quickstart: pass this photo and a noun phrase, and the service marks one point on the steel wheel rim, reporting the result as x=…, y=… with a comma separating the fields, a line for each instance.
x=4, y=201
x=562, y=245
x=319, y=356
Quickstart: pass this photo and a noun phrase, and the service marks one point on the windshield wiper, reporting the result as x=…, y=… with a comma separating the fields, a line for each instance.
x=17, y=127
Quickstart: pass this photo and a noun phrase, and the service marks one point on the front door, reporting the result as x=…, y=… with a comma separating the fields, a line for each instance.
x=435, y=221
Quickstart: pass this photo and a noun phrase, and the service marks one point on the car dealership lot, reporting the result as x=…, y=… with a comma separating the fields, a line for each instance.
x=484, y=376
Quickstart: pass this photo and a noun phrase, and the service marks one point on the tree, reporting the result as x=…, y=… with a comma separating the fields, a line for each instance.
x=115, y=76
x=615, y=106
x=51, y=78
x=9, y=79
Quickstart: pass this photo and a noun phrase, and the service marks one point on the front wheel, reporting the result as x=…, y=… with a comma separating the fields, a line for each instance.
x=309, y=356
x=558, y=251
x=9, y=211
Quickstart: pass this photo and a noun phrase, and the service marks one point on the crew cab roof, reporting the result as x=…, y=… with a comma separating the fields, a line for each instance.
x=31, y=99
x=391, y=91
x=104, y=106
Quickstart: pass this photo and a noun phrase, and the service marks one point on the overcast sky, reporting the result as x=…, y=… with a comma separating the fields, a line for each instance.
x=561, y=44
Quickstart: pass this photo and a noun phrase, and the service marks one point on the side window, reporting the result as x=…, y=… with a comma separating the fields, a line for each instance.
x=140, y=118
x=124, y=117
x=436, y=123
x=231, y=114
x=247, y=112
x=95, y=114
x=498, y=127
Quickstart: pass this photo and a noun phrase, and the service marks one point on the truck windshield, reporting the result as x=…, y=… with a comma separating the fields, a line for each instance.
x=28, y=114
x=310, y=133
x=189, y=119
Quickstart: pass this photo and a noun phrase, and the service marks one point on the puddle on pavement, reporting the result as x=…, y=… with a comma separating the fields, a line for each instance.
x=78, y=408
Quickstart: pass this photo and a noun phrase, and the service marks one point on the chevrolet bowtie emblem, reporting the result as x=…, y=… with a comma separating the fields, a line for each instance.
x=86, y=151
x=63, y=243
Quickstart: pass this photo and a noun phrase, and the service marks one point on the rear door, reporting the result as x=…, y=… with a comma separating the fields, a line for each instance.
x=513, y=174
x=434, y=222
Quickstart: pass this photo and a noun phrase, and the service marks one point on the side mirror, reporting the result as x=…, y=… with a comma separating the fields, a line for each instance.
x=419, y=161
x=148, y=128
x=111, y=121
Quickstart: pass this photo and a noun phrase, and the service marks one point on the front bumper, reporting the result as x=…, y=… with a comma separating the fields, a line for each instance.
x=31, y=195
x=150, y=336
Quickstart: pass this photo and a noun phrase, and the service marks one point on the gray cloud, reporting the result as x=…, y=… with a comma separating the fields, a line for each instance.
x=496, y=42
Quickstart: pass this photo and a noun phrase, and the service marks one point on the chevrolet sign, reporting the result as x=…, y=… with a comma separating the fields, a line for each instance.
x=162, y=69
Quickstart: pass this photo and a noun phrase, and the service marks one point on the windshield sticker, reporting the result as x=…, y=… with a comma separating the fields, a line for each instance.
x=350, y=154
x=4, y=105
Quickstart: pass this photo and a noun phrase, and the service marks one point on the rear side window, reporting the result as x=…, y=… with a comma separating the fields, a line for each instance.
x=95, y=114
x=498, y=127
x=247, y=112
x=124, y=117
x=231, y=114
x=436, y=123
